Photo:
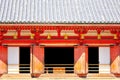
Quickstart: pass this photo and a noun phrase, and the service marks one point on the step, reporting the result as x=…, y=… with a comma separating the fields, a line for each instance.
x=100, y=75
x=16, y=76
x=59, y=75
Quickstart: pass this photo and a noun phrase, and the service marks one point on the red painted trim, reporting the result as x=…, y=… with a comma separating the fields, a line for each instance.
x=3, y=59
x=78, y=28
x=87, y=41
x=86, y=59
x=59, y=27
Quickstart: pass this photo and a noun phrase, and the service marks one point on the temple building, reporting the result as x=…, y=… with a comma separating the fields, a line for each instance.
x=60, y=37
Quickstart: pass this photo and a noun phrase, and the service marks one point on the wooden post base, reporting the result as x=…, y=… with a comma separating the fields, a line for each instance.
x=82, y=75
x=35, y=75
x=117, y=75
x=1, y=75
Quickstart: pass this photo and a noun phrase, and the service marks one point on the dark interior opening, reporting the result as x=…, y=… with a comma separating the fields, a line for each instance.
x=24, y=66
x=93, y=59
x=59, y=57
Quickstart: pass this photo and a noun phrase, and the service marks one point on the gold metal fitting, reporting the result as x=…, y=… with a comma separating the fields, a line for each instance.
x=15, y=36
x=65, y=36
x=32, y=36
x=48, y=36
x=82, y=36
x=98, y=36
x=115, y=36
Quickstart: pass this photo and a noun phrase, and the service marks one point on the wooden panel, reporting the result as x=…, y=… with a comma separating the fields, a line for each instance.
x=38, y=59
x=3, y=59
x=80, y=60
x=115, y=59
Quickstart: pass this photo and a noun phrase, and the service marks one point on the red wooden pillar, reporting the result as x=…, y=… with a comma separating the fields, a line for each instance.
x=80, y=61
x=1, y=37
x=115, y=60
x=37, y=61
x=3, y=59
x=18, y=32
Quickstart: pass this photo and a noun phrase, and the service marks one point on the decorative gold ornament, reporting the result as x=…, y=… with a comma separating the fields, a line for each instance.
x=82, y=36
x=115, y=36
x=65, y=36
x=32, y=36
x=48, y=36
x=98, y=36
x=15, y=36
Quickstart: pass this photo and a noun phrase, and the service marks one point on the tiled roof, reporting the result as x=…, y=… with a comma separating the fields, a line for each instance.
x=60, y=11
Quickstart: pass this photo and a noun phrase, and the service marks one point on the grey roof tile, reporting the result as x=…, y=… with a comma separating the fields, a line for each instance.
x=60, y=11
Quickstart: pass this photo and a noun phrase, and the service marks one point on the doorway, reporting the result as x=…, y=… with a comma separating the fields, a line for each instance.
x=13, y=60
x=99, y=59
x=24, y=66
x=93, y=60
x=59, y=59
x=18, y=60
x=104, y=59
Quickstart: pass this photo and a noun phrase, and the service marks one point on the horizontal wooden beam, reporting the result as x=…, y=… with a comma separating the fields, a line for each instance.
x=72, y=41
x=79, y=29
x=61, y=27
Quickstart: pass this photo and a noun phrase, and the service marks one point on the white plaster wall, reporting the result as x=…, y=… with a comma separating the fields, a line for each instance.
x=104, y=59
x=104, y=55
x=13, y=60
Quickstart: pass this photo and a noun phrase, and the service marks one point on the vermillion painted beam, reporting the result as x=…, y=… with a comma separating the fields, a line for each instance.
x=62, y=41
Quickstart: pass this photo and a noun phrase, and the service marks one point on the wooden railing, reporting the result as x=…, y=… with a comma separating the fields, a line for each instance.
x=59, y=68
x=18, y=68
x=96, y=68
